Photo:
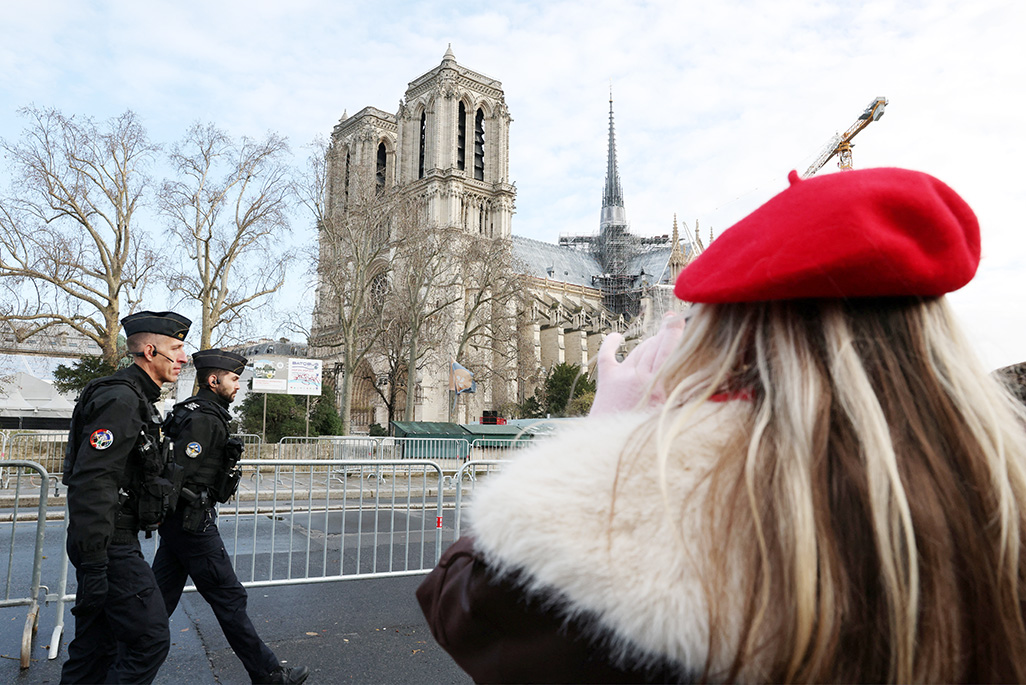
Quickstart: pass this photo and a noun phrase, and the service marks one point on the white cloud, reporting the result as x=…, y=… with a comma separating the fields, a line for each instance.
x=715, y=101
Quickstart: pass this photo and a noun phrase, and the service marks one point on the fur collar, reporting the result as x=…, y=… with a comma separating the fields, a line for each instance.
x=631, y=570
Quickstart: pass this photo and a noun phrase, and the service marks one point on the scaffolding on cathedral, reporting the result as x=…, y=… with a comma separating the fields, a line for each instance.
x=615, y=248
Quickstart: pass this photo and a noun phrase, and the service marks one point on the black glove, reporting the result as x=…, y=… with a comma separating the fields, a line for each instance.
x=92, y=590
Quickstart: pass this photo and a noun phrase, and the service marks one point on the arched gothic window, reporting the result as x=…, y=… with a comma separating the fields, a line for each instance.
x=479, y=145
x=345, y=183
x=378, y=292
x=423, y=141
x=461, y=138
x=380, y=174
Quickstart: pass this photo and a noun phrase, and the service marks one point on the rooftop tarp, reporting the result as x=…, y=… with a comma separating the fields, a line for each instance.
x=432, y=440
x=429, y=429
x=487, y=435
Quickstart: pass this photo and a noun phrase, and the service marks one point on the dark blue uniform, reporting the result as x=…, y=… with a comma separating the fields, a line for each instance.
x=200, y=439
x=121, y=630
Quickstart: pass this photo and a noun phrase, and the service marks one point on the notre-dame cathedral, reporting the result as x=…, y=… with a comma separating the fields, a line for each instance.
x=448, y=145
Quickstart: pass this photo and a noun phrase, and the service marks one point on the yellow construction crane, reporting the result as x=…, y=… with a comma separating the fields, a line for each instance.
x=840, y=144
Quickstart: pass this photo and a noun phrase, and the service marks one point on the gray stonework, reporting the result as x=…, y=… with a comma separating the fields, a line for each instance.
x=448, y=146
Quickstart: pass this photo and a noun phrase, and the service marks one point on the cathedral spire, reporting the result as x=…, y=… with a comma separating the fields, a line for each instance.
x=613, y=213
x=678, y=260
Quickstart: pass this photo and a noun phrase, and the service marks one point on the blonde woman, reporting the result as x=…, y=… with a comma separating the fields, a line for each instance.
x=814, y=481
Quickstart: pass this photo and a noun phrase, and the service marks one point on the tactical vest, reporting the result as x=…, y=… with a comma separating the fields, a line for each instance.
x=214, y=470
x=150, y=481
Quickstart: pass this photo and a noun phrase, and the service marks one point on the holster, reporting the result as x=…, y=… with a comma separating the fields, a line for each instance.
x=194, y=512
x=226, y=485
x=227, y=481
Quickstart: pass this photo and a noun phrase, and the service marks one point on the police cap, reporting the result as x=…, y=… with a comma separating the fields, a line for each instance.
x=219, y=359
x=170, y=324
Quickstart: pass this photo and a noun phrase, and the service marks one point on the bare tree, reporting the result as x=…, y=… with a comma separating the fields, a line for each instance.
x=70, y=251
x=493, y=282
x=426, y=282
x=228, y=205
x=389, y=379
x=353, y=263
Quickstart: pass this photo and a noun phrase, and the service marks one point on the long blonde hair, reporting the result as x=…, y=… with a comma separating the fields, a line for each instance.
x=883, y=480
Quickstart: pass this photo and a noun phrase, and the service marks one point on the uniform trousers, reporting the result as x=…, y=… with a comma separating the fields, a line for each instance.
x=201, y=556
x=127, y=640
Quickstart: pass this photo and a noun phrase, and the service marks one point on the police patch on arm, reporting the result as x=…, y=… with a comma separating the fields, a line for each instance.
x=101, y=438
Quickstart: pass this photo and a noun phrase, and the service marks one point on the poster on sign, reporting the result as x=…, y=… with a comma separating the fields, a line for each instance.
x=304, y=377
x=270, y=376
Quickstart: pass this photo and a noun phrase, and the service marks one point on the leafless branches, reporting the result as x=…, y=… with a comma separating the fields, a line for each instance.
x=228, y=206
x=353, y=263
x=70, y=251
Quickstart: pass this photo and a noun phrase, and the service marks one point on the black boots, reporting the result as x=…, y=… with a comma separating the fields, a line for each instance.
x=285, y=675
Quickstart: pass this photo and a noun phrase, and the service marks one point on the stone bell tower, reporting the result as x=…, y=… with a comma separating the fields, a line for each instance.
x=453, y=131
x=446, y=149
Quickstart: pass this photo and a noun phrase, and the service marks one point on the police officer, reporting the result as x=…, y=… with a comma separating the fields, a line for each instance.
x=116, y=487
x=190, y=544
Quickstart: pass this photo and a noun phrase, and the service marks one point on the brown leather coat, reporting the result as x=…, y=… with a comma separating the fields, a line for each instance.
x=499, y=634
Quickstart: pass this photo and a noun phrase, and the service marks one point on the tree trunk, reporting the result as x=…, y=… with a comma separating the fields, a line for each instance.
x=411, y=379
x=109, y=346
x=347, y=400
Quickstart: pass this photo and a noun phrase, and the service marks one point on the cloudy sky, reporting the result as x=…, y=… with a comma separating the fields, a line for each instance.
x=715, y=101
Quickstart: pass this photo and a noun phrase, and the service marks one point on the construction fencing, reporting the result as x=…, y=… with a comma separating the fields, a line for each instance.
x=23, y=573
x=347, y=509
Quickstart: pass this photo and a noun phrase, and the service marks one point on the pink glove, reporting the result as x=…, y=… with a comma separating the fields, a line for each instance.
x=622, y=385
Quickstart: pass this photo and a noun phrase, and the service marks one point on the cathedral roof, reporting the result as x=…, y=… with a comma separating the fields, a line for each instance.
x=653, y=263
x=486, y=84
x=546, y=260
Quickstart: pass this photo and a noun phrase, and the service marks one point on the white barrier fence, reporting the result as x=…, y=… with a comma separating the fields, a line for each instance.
x=294, y=521
x=298, y=521
x=27, y=517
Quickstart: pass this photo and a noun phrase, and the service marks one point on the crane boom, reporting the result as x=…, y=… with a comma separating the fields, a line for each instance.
x=841, y=145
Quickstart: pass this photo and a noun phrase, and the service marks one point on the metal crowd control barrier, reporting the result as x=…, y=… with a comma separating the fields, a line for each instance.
x=448, y=453
x=332, y=447
x=45, y=448
x=16, y=591
x=318, y=521
x=297, y=521
x=325, y=519
x=252, y=443
x=497, y=448
x=327, y=447
x=467, y=478
x=4, y=435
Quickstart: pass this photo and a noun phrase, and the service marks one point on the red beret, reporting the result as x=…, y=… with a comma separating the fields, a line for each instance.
x=863, y=233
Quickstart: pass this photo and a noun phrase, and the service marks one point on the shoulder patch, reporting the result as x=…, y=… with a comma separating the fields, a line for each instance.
x=101, y=439
x=193, y=450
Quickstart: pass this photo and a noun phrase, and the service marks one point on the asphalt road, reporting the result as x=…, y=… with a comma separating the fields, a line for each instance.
x=362, y=631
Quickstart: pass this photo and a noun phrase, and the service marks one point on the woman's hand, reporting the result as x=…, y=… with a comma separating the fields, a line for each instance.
x=622, y=385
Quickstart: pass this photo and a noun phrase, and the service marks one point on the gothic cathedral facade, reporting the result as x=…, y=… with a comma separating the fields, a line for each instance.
x=447, y=149
x=447, y=146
